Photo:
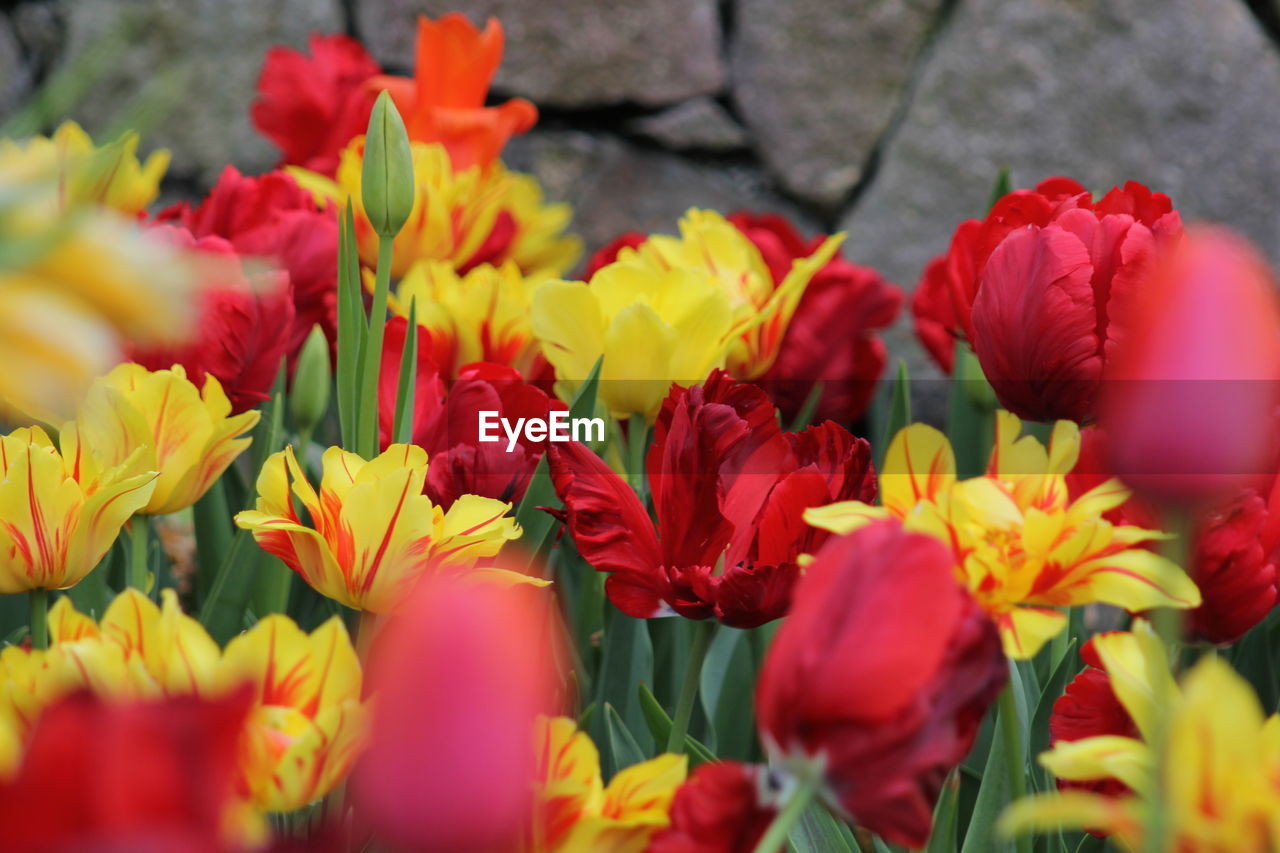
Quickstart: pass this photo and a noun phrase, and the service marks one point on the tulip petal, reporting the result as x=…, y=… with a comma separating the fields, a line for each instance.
x=918, y=465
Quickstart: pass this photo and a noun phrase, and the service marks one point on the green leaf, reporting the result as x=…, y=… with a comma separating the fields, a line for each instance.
x=1001, y=188
x=538, y=525
x=1066, y=669
x=970, y=423
x=992, y=796
x=622, y=744
x=899, y=410
x=943, y=837
x=659, y=725
x=351, y=326
x=727, y=692
x=810, y=405
x=818, y=831
x=211, y=516
x=402, y=425
x=627, y=661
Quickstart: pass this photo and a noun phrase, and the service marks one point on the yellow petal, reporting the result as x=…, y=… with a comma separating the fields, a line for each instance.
x=1103, y=757
x=918, y=465
x=1138, y=669
x=1025, y=630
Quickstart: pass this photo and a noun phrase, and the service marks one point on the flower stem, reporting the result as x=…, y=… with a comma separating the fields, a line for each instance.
x=637, y=432
x=138, y=552
x=1011, y=734
x=38, y=600
x=371, y=363
x=702, y=633
x=775, y=837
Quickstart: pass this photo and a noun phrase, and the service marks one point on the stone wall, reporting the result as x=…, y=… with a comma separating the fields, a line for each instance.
x=887, y=118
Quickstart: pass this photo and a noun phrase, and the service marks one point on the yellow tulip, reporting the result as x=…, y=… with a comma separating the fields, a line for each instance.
x=185, y=433
x=462, y=218
x=60, y=512
x=1220, y=764
x=482, y=315
x=308, y=724
x=668, y=312
x=1022, y=546
x=575, y=812
x=372, y=533
x=110, y=175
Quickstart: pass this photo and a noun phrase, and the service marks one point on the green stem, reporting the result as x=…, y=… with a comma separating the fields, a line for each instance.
x=38, y=599
x=637, y=433
x=138, y=529
x=371, y=363
x=702, y=633
x=1011, y=733
x=775, y=837
x=364, y=634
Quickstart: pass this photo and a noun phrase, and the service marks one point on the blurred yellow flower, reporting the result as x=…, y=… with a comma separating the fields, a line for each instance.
x=1022, y=546
x=463, y=218
x=574, y=812
x=371, y=532
x=110, y=175
x=1221, y=761
x=668, y=312
x=482, y=315
x=185, y=433
x=60, y=512
x=308, y=721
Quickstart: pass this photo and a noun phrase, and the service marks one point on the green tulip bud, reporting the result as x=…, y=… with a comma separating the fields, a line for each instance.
x=387, y=175
x=309, y=399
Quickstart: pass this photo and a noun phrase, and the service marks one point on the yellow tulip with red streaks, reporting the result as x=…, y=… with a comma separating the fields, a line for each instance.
x=1023, y=548
x=188, y=434
x=61, y=511
x=371, y=533
x=575, y=812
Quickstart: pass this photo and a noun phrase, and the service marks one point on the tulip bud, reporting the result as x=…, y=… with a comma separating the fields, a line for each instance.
x=1189, y=408
x=387, y=176
x=309, y=398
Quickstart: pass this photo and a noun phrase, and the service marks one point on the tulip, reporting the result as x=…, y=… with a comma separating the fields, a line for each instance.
x=727, y=486
x=718, y=810
x=308, y=722
x=244, y=328
x=312, y=106
x=1213, y=768
x=447, y=425
x=309, y=396
x=1021, y=545
x=187, y=434
x=371, y=534
x=873, y=713
x=573, y=808
x=459, y=677
x=62, y=511
x=1191, y=399
x=149, y=776
x=272, y=218
x=386, y=182
x=832, y=337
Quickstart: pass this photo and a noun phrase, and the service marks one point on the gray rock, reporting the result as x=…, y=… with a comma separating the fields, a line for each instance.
x=819, y=81
x=184, y=71
x=616, y=187
x=1182, y=95
x=575, y=53
x=699, y=124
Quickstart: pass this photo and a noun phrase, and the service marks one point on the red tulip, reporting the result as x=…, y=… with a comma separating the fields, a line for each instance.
x=242, y=332
x=832, y=337
x=446, y=425
x=1052, y=301
x=1193, y=389
x=944, y=298
x=728, y=488
x=458, y=679
x=152, y=777
x=271, y=217
x=718, y=810
x=608, y=253
x=882, y=708
x=312, y=106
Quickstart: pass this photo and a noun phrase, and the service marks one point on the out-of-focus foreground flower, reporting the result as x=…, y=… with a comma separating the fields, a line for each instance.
x=728, y=489
x=1020, y=544
x=870, y=711
x=371, y=534
x=724, y=807
x=1218, y=769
